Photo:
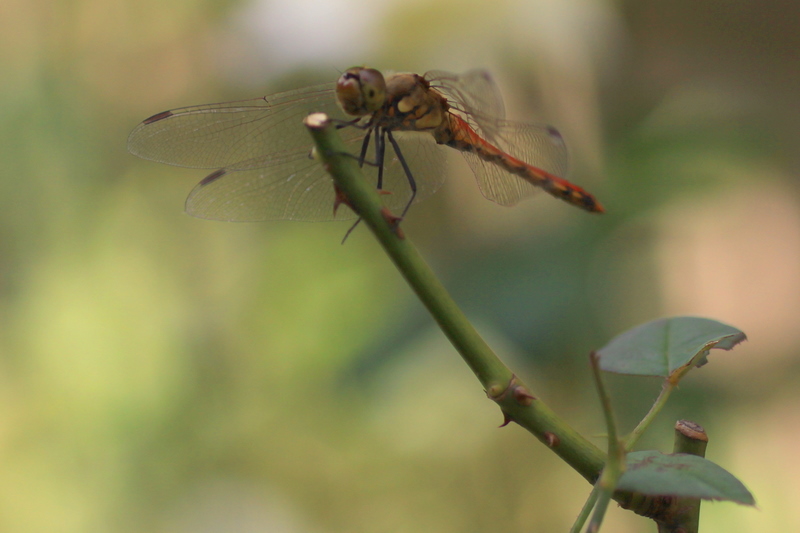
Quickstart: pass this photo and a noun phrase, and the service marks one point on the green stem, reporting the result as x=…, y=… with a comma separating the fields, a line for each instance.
x=666, y=390
x=502, y=386
x=586, y=510
x=615, y=466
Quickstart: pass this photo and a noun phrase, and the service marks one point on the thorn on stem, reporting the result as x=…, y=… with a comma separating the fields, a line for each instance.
x=551, y=439
x=394, y=222
x=340, y=199
x=522, y=396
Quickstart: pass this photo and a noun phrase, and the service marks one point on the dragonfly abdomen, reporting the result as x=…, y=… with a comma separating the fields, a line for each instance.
x=459, y=135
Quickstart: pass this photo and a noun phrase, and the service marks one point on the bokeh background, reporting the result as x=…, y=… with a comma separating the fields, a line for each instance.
x=161, y=373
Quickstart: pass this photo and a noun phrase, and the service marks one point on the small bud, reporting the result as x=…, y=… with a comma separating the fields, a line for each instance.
x=495, y=391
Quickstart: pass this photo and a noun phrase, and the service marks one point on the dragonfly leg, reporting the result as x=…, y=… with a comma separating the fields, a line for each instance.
x=355, y=123
x=357, y=158
x=361, y=160
x=346, y=123
x=380, y=157
x=346, y=235
x=364, y=146
x=362, y=157
x=380, y=152
x=411, y=182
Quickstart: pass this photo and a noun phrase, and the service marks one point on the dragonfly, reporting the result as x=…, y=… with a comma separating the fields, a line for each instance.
x=399, y=126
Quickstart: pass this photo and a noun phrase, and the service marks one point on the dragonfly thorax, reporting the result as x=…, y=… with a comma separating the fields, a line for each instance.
x=412, y=105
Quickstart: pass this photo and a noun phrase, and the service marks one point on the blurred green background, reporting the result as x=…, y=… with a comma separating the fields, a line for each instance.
x=161, y=373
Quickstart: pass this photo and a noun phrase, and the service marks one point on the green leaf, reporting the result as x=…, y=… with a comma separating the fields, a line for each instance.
x=667, y=346
x=657, y=474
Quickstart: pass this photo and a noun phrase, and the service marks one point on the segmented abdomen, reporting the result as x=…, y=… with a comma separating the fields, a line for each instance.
x=460, y=135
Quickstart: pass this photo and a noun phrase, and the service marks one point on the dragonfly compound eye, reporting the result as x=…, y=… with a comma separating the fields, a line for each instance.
x=373, y=89
x=361, y=91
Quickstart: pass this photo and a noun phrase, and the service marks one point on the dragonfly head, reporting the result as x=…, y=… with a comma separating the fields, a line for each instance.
x=361, y=91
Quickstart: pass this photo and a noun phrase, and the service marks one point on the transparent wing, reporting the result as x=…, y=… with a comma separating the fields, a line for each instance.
x=235, y=135
x=474, y=96
x=262, y=149
x=292, y=186
x=475, y=90
x=538, y=145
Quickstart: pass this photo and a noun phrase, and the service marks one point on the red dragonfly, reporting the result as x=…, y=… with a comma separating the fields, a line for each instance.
x=262, y=151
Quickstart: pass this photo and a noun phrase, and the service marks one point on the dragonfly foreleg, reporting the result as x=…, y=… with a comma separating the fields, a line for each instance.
x=339, y=124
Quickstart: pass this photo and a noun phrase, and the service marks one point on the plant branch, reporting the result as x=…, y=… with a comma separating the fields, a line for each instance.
x=507, y=390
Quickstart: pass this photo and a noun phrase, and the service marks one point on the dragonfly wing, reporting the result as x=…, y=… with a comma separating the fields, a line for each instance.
x=475, y=89
x=496, y=184
x=474, y=96
x=236, y=135
x=538, y=145
x=293, y=186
